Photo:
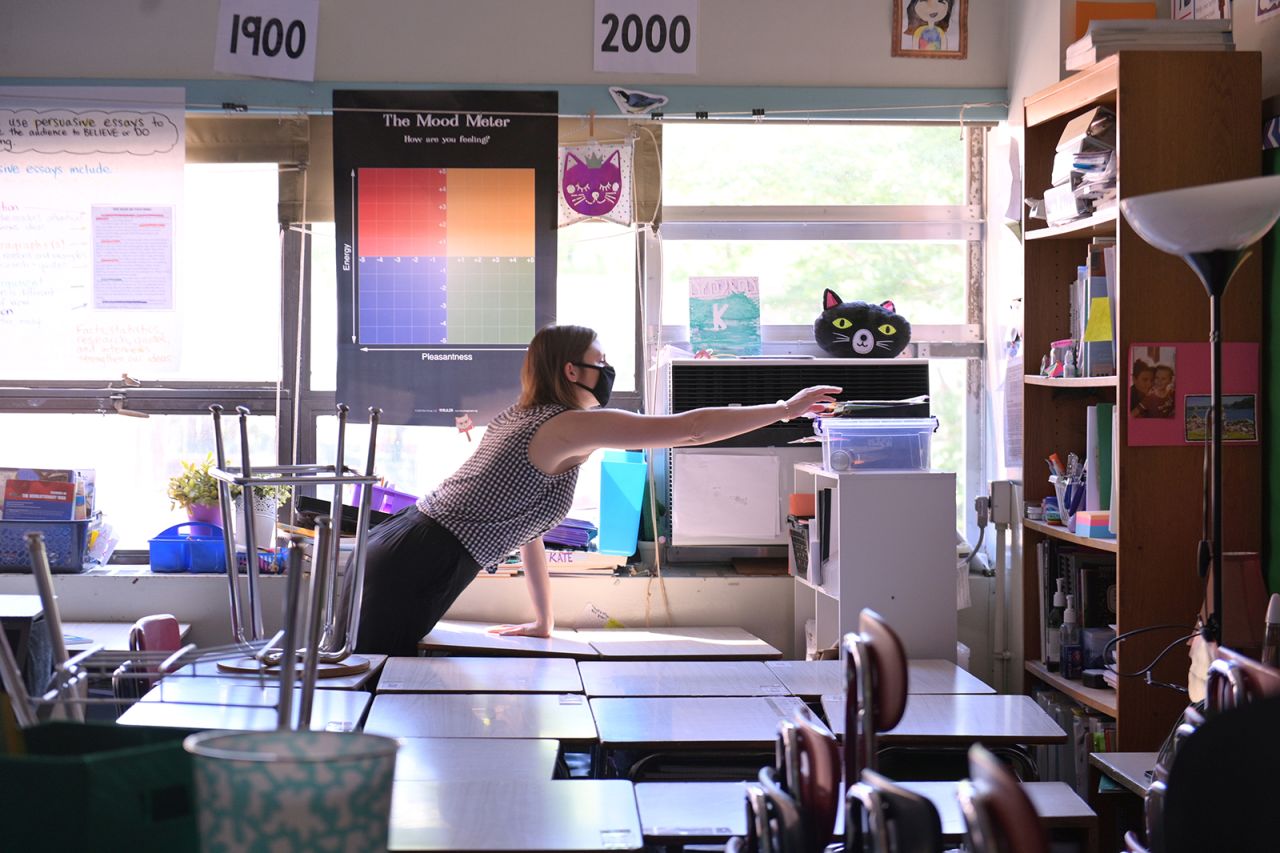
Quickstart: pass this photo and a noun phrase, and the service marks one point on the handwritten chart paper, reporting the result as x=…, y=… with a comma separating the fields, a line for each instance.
x=68, y=156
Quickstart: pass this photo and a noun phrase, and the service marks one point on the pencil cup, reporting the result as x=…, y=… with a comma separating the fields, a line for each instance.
x=282, y=790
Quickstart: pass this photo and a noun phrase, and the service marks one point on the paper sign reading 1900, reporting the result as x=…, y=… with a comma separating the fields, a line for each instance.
x=268, y=38
x=657, y=36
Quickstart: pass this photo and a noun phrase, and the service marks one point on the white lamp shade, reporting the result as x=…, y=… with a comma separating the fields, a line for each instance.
x=1229, y=215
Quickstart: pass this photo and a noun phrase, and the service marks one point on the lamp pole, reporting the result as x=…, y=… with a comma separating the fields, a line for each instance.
x=1215, y=270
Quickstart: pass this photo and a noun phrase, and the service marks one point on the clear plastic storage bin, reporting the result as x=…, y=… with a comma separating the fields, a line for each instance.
x=859, y=444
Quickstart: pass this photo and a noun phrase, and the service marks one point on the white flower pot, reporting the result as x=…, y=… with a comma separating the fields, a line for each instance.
x=264, y=521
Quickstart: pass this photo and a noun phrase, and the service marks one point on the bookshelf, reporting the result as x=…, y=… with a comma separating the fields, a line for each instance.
x=1182, y=119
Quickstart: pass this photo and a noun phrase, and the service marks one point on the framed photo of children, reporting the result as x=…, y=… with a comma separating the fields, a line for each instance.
x=930, y=29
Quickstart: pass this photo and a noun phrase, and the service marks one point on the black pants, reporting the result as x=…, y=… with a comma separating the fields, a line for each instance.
x=414, y=570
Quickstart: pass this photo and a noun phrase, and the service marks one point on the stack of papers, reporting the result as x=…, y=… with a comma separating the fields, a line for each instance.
x=1107, y=37
x=571, y=533
x=1084, y=167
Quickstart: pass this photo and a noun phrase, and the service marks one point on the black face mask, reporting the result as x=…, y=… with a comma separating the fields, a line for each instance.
x=604, y=384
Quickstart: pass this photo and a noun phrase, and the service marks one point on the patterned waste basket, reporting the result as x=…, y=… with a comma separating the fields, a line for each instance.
x=281, y=790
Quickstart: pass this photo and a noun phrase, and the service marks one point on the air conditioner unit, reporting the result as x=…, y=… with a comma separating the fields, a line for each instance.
x=729, y=499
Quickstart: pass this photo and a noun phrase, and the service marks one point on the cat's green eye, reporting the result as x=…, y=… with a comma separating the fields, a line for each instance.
x=841, y=323
x=886, y=329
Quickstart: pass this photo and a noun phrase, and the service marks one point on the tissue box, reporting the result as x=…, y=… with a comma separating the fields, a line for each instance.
x=1095, y=640
x=1094, y=523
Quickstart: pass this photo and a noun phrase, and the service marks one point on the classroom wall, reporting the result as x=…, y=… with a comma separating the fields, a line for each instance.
x=742, y=43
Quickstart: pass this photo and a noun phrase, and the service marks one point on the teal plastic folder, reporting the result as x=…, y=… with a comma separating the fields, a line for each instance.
x=622, y=476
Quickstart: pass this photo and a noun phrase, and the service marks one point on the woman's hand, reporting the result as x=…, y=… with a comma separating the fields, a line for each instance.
x=818, y=398
x=528, y=629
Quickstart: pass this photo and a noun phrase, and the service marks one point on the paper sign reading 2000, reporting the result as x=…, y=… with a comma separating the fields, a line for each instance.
x=655, y=35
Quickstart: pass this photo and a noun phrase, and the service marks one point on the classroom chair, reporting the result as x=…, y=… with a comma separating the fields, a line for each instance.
x=808, y=757
x=884, y=817
x=875, y=689
x=1174, y=808
x=156, y=633
x=774, y=824
x=998, y=815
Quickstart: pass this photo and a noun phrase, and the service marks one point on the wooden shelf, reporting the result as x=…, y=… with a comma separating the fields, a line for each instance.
x=1099, y=698
x=1073, y=382
x=1112, y=545
x=1098, y=225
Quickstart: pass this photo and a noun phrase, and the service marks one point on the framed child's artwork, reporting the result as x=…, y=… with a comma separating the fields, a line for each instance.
x=930, y=29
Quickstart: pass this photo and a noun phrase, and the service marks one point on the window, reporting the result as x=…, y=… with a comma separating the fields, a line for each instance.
x=873, y=212
x=225, y=348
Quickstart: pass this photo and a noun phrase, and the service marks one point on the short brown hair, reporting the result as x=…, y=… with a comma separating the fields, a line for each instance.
x=542, y=378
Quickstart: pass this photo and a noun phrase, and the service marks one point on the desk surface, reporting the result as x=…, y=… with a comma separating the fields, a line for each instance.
x=725, y=643
x=748, y=722
x=355, y=681
x=240, y=706
x=114, y=636
x=813, y=678
x=514, y=815
x=565, y=717
x=679, y=678
x=960, y=720
x=449, y=759
x=710, y=812
x=1130, y=769
x=480, y=675
x=20, y=606
x=450, y=635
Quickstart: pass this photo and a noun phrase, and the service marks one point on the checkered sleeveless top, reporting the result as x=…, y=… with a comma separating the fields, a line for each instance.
x=498, y=500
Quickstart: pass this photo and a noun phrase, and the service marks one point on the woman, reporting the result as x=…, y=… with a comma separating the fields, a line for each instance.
x=519, y=484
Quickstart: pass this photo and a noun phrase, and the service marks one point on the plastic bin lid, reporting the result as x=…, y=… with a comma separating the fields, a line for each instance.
x=838, y=424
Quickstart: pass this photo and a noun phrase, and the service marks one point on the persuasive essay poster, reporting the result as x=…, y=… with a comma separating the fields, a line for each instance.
x=446, y=248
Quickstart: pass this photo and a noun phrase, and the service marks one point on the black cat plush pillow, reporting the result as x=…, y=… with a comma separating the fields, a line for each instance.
x=860, y=329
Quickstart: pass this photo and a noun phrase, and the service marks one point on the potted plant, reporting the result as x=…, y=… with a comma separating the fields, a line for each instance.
x=196, y=491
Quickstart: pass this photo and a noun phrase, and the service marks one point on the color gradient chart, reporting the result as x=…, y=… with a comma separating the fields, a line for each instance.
x=445, y=256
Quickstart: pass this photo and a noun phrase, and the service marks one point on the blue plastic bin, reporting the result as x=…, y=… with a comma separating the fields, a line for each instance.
x=66, y=543
x=191, y=546
x=622, y=476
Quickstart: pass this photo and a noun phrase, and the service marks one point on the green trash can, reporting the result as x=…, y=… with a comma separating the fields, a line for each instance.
x=97, y=786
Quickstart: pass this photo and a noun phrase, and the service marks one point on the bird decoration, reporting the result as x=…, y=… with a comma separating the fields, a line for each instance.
x=635, y=102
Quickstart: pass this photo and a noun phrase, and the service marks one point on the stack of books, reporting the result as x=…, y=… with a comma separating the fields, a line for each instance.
x=1107, y=37
x=1084, y=168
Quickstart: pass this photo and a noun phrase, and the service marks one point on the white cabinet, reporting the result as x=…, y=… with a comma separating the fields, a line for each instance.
x=892, y=547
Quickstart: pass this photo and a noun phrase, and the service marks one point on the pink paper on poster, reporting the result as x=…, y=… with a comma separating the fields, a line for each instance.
x=1167, y=393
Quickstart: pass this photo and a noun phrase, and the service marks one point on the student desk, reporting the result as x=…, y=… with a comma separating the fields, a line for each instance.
x=1131, y=769
x=810, y=679
x=748, y=723
x=711, y=812
x=1120, y=809
x=480, y=675
x=474, y=638
x=514, y=815
x=679, y=678
x=449, y=759
x=678, y=644
x=564, y=717
x=959, y=720
x=216, y=703
x=354, y=681
x=113, y=636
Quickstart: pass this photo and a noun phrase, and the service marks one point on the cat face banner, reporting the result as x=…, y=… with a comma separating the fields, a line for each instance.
x=595, y=183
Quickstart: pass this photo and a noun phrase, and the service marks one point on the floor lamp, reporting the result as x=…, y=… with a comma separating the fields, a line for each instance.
x=1211, y=227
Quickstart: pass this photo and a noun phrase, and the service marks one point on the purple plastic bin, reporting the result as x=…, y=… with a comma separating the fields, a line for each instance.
x=385, y=500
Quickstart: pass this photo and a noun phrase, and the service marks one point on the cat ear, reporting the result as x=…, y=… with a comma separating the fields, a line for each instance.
x=569, y=155
x=615, y=158
x=830, y=299
x=888, y=306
